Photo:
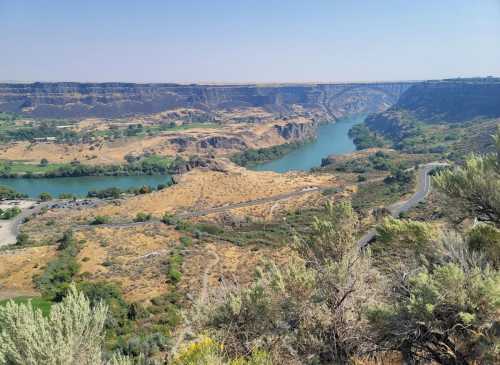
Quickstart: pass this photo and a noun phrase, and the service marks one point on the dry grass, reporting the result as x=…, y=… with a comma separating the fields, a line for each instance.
x=236, y=265
x=131, y=257
x=17, y=268
x=204, y=189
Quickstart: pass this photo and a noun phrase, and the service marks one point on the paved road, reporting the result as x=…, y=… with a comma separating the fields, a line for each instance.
x=395, y=209
x=423, y=189
x=12, y=227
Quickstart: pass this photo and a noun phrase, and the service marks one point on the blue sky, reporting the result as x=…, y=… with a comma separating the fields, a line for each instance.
x=248, y=41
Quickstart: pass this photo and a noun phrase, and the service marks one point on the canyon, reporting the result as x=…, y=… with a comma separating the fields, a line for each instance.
x=113, y=100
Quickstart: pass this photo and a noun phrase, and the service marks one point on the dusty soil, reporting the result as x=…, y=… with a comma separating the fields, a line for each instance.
x=131, y=257
x=17, y=268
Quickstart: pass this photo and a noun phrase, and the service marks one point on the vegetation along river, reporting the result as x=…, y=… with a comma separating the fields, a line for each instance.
x=332, y=139
x=79, y=186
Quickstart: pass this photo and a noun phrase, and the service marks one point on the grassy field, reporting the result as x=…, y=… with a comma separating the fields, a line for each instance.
x=19, y=167
x=37, y=303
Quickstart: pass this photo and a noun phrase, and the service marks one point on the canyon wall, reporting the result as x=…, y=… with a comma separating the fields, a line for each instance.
x=109, y=100
x=448, y=101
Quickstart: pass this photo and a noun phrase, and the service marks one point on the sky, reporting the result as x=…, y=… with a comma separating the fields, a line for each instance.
x=241, y=41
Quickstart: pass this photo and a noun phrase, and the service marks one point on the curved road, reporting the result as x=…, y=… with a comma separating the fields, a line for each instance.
x=423, y=189
x=423, y=184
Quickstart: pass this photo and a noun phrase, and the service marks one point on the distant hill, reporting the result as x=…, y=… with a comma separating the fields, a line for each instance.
x=433, y=115
x=448, y=101
x=109, y=100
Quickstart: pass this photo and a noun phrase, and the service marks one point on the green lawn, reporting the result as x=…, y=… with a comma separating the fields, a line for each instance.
x=18, y=167
x=39, y=303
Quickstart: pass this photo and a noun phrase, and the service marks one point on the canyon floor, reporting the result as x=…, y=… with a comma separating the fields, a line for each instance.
x=109, y=141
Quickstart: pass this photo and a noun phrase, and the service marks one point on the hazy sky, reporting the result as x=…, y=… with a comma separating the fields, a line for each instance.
x=247, y=41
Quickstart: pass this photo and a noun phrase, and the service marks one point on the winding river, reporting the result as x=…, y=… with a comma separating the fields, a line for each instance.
x=332, y=139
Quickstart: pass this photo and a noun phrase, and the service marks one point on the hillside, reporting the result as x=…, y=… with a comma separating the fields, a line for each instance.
x=434, y=116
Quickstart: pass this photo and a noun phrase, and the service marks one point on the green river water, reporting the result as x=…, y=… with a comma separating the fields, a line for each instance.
x=332, y=138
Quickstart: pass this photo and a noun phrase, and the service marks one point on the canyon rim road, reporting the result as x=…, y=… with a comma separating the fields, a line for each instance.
x=423, y=189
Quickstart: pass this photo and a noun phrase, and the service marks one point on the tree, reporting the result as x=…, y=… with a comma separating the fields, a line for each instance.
x=71, y=334
x=45, y=197
x=44, y=162
x=475, y=186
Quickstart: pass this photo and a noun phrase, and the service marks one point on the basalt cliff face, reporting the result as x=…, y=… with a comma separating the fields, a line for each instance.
x=452, y=101
x=447, y=101
x=109, y=100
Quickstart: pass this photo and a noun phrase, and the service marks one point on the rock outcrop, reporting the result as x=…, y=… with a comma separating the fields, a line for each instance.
x=296, y=131
x=226, y=142
x=109, y=100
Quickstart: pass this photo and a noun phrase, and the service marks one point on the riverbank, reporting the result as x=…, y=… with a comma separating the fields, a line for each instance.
x=81, y=186
x=332, y=138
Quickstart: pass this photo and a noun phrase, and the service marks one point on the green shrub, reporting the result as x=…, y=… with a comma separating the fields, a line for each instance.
x=210, y=228
x=45, y=197
x=10, y=213
x=168, y=218
x=174, y=275
x=485, y=238
x=23, y=239
x=8, y=193
x=54, y=281
x=111, y=295
x=67, y=196
x=142, y=217
x=100, y=219
x=186, y=241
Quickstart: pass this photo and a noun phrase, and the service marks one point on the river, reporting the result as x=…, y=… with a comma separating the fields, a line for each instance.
x=332, y=139
x=79, y=186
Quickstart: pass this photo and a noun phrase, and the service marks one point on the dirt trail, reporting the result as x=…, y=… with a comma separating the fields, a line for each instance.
x=204, y=289
x=202, y=299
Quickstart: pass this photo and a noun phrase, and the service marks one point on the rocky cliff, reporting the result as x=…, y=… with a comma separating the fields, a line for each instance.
x=108, y=100
x=452, y=100
x=447, y=101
